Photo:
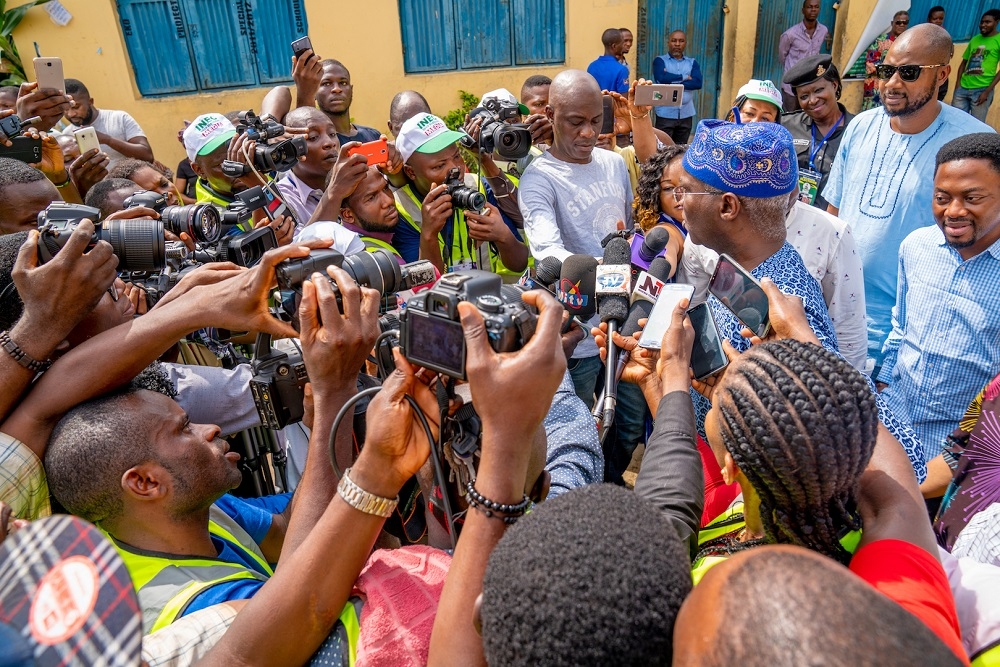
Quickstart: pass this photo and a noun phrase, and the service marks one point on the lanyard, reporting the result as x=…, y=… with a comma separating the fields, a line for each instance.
x=812, y=142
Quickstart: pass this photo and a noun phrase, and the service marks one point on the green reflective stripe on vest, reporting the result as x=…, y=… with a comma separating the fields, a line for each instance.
x=350, y=619
x=989, y=657
x=205, y=195
x=372, y=244
x=174, y=607
x=701, y=567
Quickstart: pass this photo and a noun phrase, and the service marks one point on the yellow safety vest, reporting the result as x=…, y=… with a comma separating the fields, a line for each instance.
x=732, y=521
x=204, y=194
x=372, y=244
x=989, y=657
x=166, y=585
x=463, y=248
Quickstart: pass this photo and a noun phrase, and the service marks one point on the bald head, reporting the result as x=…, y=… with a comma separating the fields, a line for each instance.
x=302, y=116
x=573, y=87
x=406, y=104
x=924, y=44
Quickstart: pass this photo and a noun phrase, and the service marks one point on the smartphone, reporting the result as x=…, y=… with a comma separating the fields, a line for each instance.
x=659, y=317
x=86, y=139
x=660, y=95
x=608, y=125
x=741, y=294
x=301, y=45
x=24, y=149
x=708, y=357
x=49, y=73
x=376, y=151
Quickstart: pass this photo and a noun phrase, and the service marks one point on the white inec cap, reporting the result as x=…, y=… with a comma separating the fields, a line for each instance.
x=763, y=90
x=425, y=133
x=505, y=96
x=206, y=133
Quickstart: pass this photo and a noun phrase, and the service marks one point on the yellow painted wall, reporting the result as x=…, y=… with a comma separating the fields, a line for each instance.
x=93, y=50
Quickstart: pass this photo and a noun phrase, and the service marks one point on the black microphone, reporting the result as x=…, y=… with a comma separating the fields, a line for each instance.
x=653, y=243
x=548, y=271
x=644, y=294
x=613, y=287
x=576, y=286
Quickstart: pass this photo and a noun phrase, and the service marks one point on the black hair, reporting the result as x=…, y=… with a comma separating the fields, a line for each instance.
x=127, y=167
x=901, y=12
x=15, y=90
x=11, y=306
x=785, y=608
x=332, y=62
x=15, y=172
x=738, y=104
x=934, y=10
x=977, y=146
x=534, y=81
x=593, y=577
x=628, y=30
x=95, y=443
x=75, y=86
x=610, y=37
x=647, y=194
x=107, y=194
x=992, y=13
x=800, y=422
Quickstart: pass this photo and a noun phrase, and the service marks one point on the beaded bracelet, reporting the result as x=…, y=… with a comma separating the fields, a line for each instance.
x=509, y=513
x=20, y=356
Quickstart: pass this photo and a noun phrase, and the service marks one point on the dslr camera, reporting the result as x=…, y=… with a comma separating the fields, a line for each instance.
x=462, y=196
x=201, y=222
x=430, y=331
x=279, y=156
x=138, y=244
x=500, y=134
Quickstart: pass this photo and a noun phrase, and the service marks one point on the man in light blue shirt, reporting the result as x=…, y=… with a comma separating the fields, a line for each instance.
x=882, y=178
x=675, y=67
x=945, y=340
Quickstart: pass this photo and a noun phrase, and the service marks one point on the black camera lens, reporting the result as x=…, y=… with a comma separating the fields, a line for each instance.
x=280, y=156
x=138, y=244
x=378, y=270
x=199, y=221
x=468, y=199
x=511, y=142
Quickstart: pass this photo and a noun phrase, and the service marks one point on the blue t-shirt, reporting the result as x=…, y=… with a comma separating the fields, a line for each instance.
x=406, y=239
x=882, y=183
x=364, y=135
x=253, y=515
x=610, y=74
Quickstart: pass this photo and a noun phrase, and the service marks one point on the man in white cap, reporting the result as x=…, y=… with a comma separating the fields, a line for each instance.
x=441, y=228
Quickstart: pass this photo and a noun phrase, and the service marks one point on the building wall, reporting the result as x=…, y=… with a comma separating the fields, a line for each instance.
x=93, y=50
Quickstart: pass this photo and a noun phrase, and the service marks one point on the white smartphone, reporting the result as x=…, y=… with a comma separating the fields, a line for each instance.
x=49, y=73
x=86, y=139
x=659, y=317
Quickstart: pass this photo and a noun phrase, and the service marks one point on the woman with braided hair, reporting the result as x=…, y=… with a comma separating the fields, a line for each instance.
x=795, y=425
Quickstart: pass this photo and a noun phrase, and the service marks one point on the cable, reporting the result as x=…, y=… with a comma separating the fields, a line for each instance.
x=378, y=343
x=438, y=472
x=371, y=391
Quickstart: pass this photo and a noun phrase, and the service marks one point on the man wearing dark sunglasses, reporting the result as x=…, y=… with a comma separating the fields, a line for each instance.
x=978, y=75
x=883, y=176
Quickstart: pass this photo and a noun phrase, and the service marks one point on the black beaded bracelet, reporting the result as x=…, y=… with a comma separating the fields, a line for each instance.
x=509, y=513
x=20, y=356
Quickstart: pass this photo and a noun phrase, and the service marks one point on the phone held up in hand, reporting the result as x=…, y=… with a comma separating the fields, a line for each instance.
x=301, y=45
x=708, y=357
x=741, y=294
x=376, y=151
x=608, y=124
x=663, y=310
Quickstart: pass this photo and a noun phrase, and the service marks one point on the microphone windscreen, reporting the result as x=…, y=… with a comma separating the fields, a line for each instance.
x=548, y=270
x=659, y=268
x=639, y=310
x=577, y=284
x=613, y=306
x=655, y=241
x=617, y=252
x=512, y=293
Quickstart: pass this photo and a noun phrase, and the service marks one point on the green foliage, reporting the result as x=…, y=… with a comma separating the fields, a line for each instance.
x=455, y=120
x=11, y=58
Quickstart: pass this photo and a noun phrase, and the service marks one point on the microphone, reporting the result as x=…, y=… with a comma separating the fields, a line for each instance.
x=644, y=295
x=548, y=271
x=613, y=284
x=653, y=245
x=577, y=284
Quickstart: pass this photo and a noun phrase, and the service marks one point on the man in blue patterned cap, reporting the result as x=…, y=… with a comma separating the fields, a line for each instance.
x=739, y=183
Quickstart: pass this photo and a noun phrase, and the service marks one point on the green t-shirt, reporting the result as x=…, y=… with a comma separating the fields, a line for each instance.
x=982, y=54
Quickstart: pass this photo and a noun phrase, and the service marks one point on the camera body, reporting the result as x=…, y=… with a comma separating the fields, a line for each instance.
x=500, y=134
x=462, y=196
x=278, y=387
x=138, y=244
x=279, y=156
x=430, y=332
x=202, y=222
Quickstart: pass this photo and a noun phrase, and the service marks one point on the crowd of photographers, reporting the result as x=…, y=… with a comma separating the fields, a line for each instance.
x=502, y=314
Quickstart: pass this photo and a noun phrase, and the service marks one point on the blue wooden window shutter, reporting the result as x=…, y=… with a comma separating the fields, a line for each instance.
x=156, y=36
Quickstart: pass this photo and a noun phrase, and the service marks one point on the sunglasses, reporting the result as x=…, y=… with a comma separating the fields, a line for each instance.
x=901, y=23
x=906, y=72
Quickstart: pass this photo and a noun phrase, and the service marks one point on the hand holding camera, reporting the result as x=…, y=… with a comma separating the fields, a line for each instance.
x=487, y=226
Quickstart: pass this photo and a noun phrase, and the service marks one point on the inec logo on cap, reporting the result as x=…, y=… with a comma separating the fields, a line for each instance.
x=430, y=125
x=208, y=124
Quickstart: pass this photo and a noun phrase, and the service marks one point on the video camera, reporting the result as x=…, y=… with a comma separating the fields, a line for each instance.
x=499, y=133
x=430, y=332
x=279, y=156
x=138, y=244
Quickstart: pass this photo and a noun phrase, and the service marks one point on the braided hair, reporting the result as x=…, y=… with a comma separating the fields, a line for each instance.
x=647, y=200
x=801, y=423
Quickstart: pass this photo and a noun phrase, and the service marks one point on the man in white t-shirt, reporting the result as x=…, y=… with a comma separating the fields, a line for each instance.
x=119, y=134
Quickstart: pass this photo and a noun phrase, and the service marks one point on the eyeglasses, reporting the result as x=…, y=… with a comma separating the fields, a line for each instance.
x=679, y=193
x=901, y=23
x=907, y=73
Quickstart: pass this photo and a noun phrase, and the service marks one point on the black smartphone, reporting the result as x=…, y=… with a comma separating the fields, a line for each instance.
x=24, y=149
x=742, y=294
x=707, y=356
x=301, y=45
x=608, y=125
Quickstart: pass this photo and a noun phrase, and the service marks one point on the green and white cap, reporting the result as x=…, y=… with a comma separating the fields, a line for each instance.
x=206, y=133
x=763, y=90
x=425, y=133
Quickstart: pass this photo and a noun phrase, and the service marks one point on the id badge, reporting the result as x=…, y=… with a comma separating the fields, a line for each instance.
x=808, y=185
x=461, y=266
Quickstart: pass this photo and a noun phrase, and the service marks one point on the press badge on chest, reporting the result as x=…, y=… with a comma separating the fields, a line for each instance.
x=808, y=185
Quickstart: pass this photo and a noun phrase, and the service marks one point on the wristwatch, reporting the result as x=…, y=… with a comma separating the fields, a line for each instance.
x=363, y=501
